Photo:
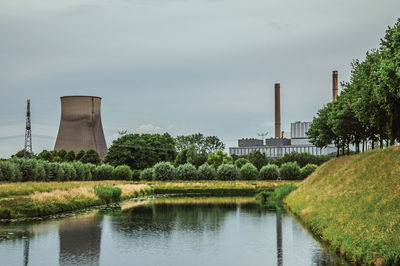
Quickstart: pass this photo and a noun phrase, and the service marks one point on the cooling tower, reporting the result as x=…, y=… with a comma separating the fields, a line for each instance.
x=334, y=85
x=80, y=125
x=277, y=110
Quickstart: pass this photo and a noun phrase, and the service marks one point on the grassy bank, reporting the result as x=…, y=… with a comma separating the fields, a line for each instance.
x=354, y=204
x=38, y=199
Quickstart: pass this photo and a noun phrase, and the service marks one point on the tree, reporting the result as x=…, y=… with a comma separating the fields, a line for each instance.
x=257, y=158
x=70, y=156
x=219, y=157
x=91, y=156
x=45, y=155
x=202, y=144
x=79, y=155
x=141, y=151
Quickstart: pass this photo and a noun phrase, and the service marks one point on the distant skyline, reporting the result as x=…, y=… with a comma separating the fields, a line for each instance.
x=178, y=66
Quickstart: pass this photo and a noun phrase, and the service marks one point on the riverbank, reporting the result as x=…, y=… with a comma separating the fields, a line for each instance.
x=41, y=199
x=353, y=204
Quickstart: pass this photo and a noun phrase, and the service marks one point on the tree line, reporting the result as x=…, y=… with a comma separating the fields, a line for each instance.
x=368, y=108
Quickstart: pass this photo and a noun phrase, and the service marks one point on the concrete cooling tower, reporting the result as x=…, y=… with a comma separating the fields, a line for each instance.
x=80, y=125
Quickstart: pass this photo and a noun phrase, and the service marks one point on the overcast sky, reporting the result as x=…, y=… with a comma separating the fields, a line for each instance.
x=182, y=66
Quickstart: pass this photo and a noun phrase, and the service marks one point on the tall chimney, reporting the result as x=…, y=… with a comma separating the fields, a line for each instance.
x=334, y=85
x=277, y=110
x=80, y=125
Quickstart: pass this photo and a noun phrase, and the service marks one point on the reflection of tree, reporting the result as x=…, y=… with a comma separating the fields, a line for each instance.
x=80, y=241
x=164, y=217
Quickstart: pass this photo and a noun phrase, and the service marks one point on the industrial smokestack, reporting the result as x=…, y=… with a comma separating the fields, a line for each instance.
x=80, y=125
x=277, y=110
x=334, y=85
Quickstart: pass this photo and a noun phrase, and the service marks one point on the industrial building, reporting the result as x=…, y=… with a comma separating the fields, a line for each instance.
x=283, y=143
x=80, y=125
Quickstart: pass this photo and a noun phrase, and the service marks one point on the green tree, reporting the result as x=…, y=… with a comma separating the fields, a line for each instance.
x=141, y=151
x=201, y=143
x=70, y=156
x=219, y=157
x=257, y=158
x=79, y=155
x=91, y=156
x=45, y=155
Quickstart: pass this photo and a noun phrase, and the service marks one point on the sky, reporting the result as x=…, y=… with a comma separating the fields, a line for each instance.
x=178, y=66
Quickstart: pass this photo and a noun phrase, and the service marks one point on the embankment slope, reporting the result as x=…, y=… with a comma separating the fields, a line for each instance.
x=353, y=203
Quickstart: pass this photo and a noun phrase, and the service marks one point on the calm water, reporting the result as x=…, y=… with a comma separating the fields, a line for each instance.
x=166, y=232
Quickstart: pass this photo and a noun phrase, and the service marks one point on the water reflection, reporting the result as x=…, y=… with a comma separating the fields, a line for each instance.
x=80, y=241
x=168, y=233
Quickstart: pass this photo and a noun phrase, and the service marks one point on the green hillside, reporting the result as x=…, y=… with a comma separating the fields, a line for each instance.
x=353, y=203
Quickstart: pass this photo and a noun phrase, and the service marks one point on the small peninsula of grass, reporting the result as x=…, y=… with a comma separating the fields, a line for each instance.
x=353, y=203
x=39, y=199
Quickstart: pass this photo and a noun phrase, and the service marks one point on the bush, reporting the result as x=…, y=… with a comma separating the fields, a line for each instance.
x=82, y=173
x=186, y=171
x=248, y=172
x=122, y=172
x=108, y=194
x=258, y=159
x=45, y=155
x=303, y=159
x=57, y=172
x=241, y=162
x=79, y=155
x=147, y=174
x=206, y=172
x=280, y=193
x=103, y=172
x=69, y=172
x=136, y=175
x=41, y=170
x=290, y=171
x=28, y=168
x=9, y=172
x=307, y=170
x=92, y=169
x=164, y=171
x=227, y=172
x=269, y=172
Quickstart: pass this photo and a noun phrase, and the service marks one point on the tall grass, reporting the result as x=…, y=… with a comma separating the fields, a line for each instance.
x=353, y=203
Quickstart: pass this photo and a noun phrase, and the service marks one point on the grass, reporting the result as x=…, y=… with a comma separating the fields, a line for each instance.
x=353, y=203
x=39, y=199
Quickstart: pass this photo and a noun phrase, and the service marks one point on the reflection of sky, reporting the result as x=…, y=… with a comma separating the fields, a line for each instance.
x=242, y=237
x=184, y=66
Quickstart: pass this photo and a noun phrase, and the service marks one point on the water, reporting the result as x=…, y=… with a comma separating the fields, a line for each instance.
x=166, y=232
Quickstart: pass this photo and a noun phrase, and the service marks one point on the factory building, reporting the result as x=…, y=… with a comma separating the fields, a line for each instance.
x=284, y=142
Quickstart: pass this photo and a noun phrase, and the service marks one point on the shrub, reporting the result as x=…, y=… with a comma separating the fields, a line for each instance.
x=164, y=171
x=45, y=155
x=122, y=172
x=108, y=194
x=57, y=172
x=92, y=169
x=9, y=172
x=28, y=168
x=227, y=172
x=241, y=162
x=136, y=175
x=303, y=159
x=81, y=171
x=307, y=170
x=69, y=172
x=280, y=193
x=206, y=172
x=248, y=172
x=269, y=172
x=290, y=171
x=147, y=174
x=61, y=154
x=103, y=172
x=41, y=170
x=258, y=159
x=186, y=171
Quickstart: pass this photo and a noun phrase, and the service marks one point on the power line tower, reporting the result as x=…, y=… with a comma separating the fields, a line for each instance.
x=262, y=135
x=28, y=130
